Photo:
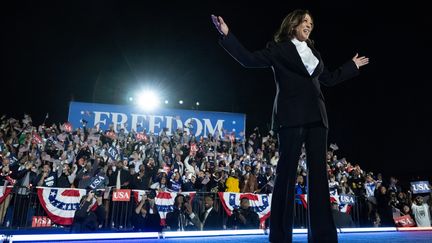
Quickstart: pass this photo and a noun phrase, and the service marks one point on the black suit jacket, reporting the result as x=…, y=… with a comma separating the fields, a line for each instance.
x=213, y=221
x=299, y=99
x=124, y=177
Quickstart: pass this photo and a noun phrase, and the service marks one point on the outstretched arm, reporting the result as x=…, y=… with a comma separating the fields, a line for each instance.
x=360, y=61
x=348, y=70
x=220, y=25
x=257, y=59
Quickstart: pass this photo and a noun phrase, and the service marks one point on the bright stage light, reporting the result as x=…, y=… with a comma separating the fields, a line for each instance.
x=181, y=102
x=148, y=100
x=197, y=103
x=166, y=102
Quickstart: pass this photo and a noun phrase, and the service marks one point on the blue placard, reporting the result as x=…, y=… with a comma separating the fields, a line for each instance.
x=198, y=123
x=420, y=187
x=347, y=199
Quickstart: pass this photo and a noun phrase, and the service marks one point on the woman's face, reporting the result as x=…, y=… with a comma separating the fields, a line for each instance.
x=303, y=30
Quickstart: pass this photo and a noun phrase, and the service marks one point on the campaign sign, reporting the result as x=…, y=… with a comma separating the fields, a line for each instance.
x=97, y=182
x=121, y=195
x=132, y=118
x=404, y=221
x=41, y=221
x=420, y=187
x=347, y=199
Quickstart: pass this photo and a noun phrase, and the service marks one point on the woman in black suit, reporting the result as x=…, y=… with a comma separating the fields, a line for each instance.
x=299, y=116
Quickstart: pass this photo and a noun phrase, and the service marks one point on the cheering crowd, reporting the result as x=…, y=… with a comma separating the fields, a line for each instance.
x=90, y=158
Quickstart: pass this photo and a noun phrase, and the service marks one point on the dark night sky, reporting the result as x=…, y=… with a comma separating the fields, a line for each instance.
x=101, y=51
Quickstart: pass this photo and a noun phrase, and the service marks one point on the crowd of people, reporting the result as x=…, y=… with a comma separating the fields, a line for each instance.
x=90, y=158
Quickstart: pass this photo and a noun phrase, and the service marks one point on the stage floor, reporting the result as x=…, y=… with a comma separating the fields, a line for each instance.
x=378, y=237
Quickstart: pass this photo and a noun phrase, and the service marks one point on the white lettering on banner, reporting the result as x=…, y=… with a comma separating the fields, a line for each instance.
x=420, y=187
x=404, y=221
x=121, y=195
x=199, y=126
x=168, y=126
x=98, y=119
x=347, y=199
x=121, y=122
x=135, y=121
x=153, y=124
x=210, y=129
x=179, y=123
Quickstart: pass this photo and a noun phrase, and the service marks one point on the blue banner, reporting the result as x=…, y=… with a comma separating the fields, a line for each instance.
x=420, y=187
x=347, y=199
x=132, y=118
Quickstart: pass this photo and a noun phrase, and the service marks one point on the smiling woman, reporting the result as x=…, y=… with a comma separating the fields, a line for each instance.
x=299, y=117
x=295, y=26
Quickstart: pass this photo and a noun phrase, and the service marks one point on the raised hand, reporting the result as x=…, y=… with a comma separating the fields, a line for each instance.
x=220, y=24
x=360, y=61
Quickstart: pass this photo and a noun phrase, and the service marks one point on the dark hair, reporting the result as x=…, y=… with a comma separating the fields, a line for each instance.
x=175, y=199
x=244, y=198
x=209, y=196
x=151, y=194
x=288, y=25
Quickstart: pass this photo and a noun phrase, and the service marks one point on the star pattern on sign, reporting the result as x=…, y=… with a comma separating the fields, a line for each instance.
x=264, y=199
x=64, y=206
x=232, y=197
x=53, y=193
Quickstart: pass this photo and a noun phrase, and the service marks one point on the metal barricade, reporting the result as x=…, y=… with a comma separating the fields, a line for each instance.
x=22, y=209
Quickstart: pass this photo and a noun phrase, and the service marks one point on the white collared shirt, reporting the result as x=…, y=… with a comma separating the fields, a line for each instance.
x=309, y=59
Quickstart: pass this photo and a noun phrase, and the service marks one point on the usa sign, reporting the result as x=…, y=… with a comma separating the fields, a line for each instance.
x=420, y=187
x=121, y=195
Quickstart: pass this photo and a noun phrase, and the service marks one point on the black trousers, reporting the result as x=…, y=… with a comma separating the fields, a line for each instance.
x=321, y=226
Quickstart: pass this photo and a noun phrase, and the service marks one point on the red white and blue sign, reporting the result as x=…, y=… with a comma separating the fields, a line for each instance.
x=260, y=203
x=60, y=203
x=164, y=201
